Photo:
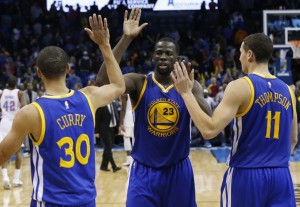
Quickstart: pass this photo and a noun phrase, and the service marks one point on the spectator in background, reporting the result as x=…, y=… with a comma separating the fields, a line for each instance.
x=212, y=5
x=78, y=86
x=210, y=101
x=105, y=129
x=128, y=68
x=8, y=67
x=213, y=86
x=227, y=77
x=85, y=66
x=73, y=79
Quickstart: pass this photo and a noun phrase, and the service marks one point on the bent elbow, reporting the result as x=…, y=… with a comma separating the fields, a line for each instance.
x=122, y=90
x=119, y=91
x=122, y=87
x=209, y=134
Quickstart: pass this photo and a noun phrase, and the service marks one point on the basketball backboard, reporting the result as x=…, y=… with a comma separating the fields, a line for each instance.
x=281, y=25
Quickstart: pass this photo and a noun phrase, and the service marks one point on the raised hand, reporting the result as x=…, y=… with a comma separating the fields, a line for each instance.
x=131, y=26
x=182, y=80
x=99, y=31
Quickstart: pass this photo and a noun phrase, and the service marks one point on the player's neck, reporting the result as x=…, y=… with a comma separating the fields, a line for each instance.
x=260, y=69
x=56, y=89
x=165, y=81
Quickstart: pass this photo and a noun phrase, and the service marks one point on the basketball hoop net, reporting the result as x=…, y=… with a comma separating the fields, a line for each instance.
x=295, y=45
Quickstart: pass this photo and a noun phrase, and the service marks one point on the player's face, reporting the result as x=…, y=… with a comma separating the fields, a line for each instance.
x=243, y=59
x=164, y=57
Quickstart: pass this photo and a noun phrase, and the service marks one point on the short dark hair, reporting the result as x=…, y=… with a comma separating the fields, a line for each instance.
x=169, y=39
x=12, y=81
x=261, y=45
x=52, y=61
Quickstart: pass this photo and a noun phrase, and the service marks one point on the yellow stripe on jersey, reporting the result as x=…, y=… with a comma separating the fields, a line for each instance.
x=91, y=106
x=61, y=96
x=265, y=76
x=251, y=99
x=159, y=85
x=141, y=94
x=43, y=124
x=293, y=100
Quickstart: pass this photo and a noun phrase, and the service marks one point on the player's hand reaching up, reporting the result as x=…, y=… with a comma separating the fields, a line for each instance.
x=182, y=79
x=131, y=26
x=99, y=31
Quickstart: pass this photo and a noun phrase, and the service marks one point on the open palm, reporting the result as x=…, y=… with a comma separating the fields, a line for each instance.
x=131, y=26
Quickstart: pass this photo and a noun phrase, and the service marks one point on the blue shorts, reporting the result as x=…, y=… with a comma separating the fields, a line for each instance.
x=257, y=187
x=35, y=203
x=168, y=187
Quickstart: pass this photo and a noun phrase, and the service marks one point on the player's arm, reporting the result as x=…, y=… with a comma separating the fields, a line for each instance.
x=123, y=110
x=99, y=33
x=198, y=93
x=236, y=95
x=15, y=137
x=22, y=98
x=294, y=138
x=294, y=133
x=131, y=29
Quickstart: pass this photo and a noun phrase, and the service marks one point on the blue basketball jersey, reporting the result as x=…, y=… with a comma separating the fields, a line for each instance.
x=261, y=136
x=63, y=160
x=162, y=126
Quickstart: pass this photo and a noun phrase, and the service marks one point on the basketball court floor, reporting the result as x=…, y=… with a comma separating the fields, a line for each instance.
x=208, y=164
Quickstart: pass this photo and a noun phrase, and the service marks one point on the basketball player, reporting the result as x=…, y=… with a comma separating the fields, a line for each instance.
x=264, y=125
x=11, y=99
x=126, y=126
x=161, y=174
x=61, y=126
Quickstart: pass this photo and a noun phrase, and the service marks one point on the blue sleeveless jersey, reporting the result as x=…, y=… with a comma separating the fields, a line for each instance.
x=63, y=161
x=261, y=136
x=162, y=126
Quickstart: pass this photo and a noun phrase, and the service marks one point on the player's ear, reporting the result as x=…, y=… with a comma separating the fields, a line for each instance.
x=39, y=73
x=250, y=56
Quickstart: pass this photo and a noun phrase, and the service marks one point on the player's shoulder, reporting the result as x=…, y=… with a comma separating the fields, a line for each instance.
x=29, y=109
x=135, y=77
x=240, y=86
x=27, y=113
x=240, y=82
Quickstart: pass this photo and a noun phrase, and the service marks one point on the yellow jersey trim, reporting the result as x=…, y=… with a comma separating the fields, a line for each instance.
x=161, y=86
x=265, y=76
x=251, y=99
x=141, y=94
x=293, y=99
x=43, y=125
x=91, y=106
x=61, y=96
